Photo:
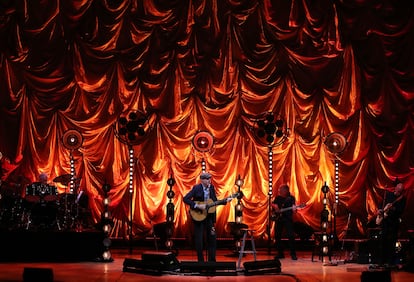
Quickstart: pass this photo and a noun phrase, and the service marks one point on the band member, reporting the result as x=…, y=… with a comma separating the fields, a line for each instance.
x=42, y=179
x=283, y=206
x=388, y=218
x=196, y=198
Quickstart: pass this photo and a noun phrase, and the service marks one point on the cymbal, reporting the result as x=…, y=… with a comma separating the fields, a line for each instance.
x=64, y=179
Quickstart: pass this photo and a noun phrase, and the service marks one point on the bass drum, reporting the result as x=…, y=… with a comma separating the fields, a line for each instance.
x=50, y=193
x=43, y=215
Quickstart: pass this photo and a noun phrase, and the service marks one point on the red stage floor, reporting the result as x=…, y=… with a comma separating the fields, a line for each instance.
x=303, y=269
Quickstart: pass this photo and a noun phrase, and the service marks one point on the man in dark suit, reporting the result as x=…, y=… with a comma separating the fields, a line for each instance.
x=197, y=198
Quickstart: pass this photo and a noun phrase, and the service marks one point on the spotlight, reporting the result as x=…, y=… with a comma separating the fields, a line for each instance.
x=72, y=139
x=335, y=142
x=269, y=131
x=131, y=127
x=203, y=141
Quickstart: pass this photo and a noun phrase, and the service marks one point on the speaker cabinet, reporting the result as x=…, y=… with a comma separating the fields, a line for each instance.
x=164, y=260
x=31, y=274
x=262, y=266
x=152, y=263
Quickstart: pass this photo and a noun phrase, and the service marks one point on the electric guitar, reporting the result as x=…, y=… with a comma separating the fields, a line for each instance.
x=199, y=214
x=276, y=214
x=383, y=213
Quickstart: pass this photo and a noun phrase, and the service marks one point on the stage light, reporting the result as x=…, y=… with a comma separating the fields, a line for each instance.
x=72, y=139
x=107, y=228
x=106, y=222
x=203, y=141
x=238, y=208
x=132, y=126
x=239, y=182
x=169, y=243
x=106, y=256
x=335, y=142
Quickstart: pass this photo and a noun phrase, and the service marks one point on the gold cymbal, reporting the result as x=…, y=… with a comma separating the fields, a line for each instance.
x=64, y=179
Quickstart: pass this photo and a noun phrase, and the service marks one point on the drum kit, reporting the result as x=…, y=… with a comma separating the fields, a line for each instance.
x=42, y=207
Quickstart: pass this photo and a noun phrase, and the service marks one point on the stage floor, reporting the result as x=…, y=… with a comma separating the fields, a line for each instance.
x=303, y=269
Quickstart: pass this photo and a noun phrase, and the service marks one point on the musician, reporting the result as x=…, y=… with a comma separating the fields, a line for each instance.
x=203, y=192
x=389, y=218
x=42, y=179
x=284, y=220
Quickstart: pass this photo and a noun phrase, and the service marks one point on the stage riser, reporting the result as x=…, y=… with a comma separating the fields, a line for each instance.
x=50, y=246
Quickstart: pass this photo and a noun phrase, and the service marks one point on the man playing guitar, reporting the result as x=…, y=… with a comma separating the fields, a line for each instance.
x=388, y=219
x=284, y=202
x=204, y=216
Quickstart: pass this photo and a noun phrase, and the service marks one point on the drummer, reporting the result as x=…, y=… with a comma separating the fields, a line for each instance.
x=43, y=179
x=41, y=190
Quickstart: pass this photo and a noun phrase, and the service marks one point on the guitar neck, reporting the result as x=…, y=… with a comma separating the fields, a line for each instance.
x=222, y=201
x=286, y=209
x=219, y=202
x=292, y=207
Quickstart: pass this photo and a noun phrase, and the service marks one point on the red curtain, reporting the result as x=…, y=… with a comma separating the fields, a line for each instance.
x=321, y=66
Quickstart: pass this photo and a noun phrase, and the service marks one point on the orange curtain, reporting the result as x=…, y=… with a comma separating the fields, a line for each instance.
x=330, y=66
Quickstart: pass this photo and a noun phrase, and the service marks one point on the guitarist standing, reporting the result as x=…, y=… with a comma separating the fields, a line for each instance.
x=199, y=195
x=390, y=215
x=284, y=220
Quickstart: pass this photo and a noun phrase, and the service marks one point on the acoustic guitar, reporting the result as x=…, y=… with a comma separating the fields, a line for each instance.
x=200, y=215
x=276, y=214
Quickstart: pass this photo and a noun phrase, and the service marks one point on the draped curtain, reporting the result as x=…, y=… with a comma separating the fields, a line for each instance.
x=218, y=66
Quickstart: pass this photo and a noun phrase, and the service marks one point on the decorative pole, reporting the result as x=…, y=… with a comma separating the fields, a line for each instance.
x=107, y=223
x=238, y=214
x=270, y=196
x=270, y=131
x=170, y=214
x=130, y=128
x=336, y=144
x=131, y=194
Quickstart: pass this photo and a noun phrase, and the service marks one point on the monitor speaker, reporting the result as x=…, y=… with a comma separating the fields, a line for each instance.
x=262, y=266
x=152, y=263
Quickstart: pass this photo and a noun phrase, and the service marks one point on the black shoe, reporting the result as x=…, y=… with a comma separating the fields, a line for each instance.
x=280, y=256
x=294, y=257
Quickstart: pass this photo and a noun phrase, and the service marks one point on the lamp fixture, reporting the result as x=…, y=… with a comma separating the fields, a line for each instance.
x=203, y=141
x=131, y=127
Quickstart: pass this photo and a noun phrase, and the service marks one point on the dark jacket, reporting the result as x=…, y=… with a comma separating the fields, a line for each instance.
x=197, y=194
